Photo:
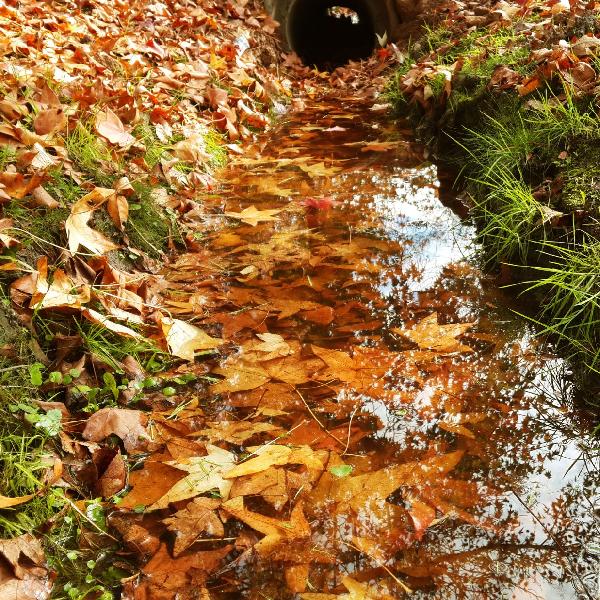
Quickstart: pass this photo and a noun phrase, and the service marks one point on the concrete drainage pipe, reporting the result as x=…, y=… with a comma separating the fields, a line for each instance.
x=329, y=33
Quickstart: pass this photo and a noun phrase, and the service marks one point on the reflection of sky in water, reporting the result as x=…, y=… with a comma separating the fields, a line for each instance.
x=437, y=235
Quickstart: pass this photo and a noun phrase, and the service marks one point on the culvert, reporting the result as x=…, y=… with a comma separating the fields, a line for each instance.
x=329, y=33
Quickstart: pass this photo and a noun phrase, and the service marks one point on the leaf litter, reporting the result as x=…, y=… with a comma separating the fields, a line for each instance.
x=309, y=434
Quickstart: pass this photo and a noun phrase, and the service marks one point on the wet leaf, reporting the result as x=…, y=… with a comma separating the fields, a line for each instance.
x=253, y=216
x=185, y=339
x=127, y=424
x=205, y=473
x=197, y=518
x=430, y=335
x=275, y=531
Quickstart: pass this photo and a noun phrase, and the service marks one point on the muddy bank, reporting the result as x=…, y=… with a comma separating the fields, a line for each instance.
x=506, y=95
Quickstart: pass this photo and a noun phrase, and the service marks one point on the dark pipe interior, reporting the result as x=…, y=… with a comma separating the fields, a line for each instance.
x=327, y=41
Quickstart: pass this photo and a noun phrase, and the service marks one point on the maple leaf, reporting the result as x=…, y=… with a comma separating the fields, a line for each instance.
x=79, y=233
x=428, y=334
x=184, y=339
x=197, y=517
x=205, y=473
x=253, y=216
x=275, y=531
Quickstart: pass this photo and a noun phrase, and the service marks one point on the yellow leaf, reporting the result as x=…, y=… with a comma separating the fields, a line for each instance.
x=430, y=335
x=183, y=339
x=79, y=233
x=253, y=216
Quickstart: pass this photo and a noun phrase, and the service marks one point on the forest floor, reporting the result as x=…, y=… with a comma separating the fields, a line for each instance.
x=241, y=352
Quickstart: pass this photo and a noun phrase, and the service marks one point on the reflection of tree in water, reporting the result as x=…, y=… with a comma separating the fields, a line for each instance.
x=537, y=484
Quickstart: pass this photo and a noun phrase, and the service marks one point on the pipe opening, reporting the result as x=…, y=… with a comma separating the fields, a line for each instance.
x=329, y=34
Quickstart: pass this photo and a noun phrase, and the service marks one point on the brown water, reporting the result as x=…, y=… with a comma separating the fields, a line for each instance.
x=497, y=499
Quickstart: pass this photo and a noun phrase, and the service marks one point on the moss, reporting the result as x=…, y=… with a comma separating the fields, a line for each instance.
x=581, y=181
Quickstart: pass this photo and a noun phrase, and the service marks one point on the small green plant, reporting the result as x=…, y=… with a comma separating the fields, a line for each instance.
x=510, y=218
x=570, y=285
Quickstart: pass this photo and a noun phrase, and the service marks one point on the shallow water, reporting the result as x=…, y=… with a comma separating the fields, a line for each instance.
x=503, y=501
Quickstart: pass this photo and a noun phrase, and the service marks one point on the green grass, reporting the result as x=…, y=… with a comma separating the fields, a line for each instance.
x=510, y=218
x=7, y=156
x=90, y=153
x=149, y=227
x=570, y=285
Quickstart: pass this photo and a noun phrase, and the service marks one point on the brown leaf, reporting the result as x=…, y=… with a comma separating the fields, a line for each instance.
x=164, y=573
x=239, y=377
x=150, y=483
x=127, y=424
x=110, y=126
x=79, y=233
x=50, y=121
x=428, y=334
x=17, y=186
x=196, y=518
x=114, y=477
x=275, y=531
x=100, y=319
x=118, y=209
x=23, y=575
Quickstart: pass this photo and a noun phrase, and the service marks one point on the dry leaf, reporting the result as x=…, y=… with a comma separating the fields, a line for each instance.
x=110, y=126
x=184, y=339
x=118, y=209
x=50, y=121
x=79, y=233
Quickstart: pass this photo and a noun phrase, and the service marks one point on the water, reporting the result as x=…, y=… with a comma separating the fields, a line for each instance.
x=516, y=517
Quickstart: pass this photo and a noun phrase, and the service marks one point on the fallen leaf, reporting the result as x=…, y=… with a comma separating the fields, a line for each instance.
x=275, y=531
x=129, y=425
x=239, y=377
x=428, y=334
x=319, y=170
x=150, y=483
x=205, y=473
x=184, y=339
x=110, y=126
x=50, y=121
x=100, y=319
x=118, y=209
x=79, y=233
x=23, y=573
x=253, y=216
x=17, y=186
x=196, y=518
